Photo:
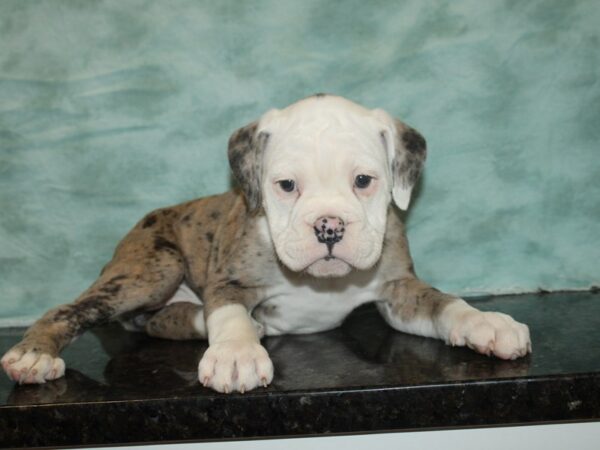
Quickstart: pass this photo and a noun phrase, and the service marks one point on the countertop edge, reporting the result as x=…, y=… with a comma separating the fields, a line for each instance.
x=455, y=405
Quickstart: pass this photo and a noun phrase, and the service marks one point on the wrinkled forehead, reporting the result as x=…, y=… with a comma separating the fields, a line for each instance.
x=322, y=135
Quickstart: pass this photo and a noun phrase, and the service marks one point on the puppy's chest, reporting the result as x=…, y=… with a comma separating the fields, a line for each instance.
x=313, y=305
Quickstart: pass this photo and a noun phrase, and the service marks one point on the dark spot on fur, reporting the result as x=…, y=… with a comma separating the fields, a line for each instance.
x=150, y=220
x=236, y=160
x=269, y=311
x=110, y=288
x=438, y=304
x=245, y=156
x=162, y=244
x=259, y=254
x=117, y=278
x=411, y=151
x=90, y=311
x=209, y=236
x=187, y=217
x=409, y=171
x=215, y=215
x=236, y=283
x=413, y=141
x=320, y=95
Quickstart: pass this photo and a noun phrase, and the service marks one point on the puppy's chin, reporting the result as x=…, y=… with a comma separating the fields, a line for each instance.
x=329, y=268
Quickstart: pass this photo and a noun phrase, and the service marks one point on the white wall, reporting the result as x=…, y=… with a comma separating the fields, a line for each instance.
x=579, y=436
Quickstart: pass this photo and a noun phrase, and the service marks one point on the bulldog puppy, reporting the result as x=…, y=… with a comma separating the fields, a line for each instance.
x=314, y=233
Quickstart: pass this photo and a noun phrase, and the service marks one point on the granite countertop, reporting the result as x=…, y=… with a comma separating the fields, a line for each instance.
x=125, y=387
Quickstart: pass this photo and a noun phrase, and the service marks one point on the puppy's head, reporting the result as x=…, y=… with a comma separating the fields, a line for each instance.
x=325, y=170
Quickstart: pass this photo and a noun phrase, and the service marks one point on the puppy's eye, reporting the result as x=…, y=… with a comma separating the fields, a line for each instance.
x=362, y=181
x=287, y=185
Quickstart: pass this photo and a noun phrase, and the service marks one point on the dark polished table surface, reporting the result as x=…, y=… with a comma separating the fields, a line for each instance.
x=123, y=387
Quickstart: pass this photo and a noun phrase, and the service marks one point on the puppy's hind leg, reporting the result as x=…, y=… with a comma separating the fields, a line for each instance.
x=182, y=318
x=178, y=321
x=182, y=321
x=145, y=271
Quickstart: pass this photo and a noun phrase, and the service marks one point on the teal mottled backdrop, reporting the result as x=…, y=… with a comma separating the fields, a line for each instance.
x=111, y=108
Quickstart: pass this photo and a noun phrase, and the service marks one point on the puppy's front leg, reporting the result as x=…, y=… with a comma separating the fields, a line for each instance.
x=145, y=270
x=415, y=307
x=234, y=360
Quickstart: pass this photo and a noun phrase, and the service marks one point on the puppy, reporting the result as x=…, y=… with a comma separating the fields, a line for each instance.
x=314, y=233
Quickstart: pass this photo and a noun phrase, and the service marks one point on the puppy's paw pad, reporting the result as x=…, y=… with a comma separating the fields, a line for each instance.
x=492, y=333
x=31, y=367
x=235, y=366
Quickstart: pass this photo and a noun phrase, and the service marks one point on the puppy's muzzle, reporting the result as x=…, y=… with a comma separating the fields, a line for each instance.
x=329, y=231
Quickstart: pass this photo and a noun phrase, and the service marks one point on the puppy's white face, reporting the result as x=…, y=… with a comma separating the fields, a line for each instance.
x=326, y=185
x=324, y=169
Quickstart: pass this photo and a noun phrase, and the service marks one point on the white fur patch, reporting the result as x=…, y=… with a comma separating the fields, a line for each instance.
x=184, y=294
x=485, y=332
x=234, y=360
x=322, y=145
x=299, y=303
x=31, y=367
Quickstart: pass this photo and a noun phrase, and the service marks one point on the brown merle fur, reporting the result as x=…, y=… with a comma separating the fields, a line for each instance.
x=214, y=245
x=203, y=242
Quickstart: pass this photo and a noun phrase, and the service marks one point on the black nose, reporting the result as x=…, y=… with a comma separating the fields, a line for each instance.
x=329, y=230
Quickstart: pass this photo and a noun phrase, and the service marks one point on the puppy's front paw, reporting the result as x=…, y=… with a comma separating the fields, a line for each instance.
x=235, y=366
x=492, y=333
x=31, y=367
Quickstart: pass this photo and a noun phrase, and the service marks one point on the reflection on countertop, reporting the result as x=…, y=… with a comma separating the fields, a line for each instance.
x=339, y=370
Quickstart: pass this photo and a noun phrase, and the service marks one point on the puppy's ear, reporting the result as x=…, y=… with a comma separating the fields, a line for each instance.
x=246, y=148
x=407, y=150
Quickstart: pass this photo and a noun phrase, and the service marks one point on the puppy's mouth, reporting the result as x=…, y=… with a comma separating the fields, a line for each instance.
x=329, y=266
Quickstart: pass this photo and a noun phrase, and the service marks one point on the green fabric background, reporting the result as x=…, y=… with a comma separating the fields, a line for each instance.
x=109, y=109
